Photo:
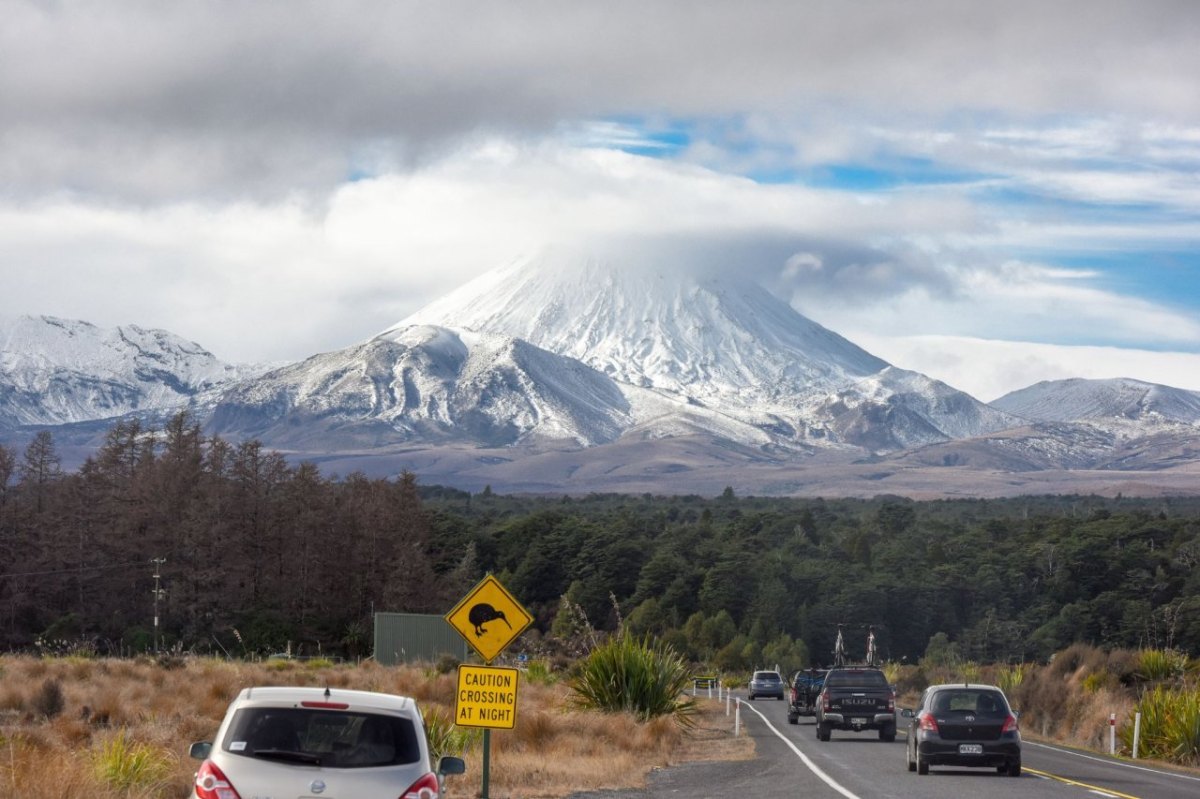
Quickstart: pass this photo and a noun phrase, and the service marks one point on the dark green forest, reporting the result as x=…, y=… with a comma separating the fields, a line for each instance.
x=253, y=554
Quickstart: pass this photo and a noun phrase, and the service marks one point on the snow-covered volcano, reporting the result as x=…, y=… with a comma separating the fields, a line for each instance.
x=710, y=340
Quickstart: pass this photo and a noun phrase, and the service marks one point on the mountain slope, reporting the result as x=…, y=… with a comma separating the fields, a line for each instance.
x=60, y=371
x=430, y=384
x=1119, y=399
x=712, y=341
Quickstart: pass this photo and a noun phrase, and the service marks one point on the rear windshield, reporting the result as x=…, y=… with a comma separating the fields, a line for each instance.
x=333, y=739
x=767, y=676
x=866, y=678
x=979, y=702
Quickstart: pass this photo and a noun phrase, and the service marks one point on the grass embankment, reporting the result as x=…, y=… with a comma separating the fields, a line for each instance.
x=72, y=727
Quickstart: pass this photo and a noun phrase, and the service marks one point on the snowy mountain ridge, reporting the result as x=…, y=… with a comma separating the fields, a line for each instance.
x=59, y=371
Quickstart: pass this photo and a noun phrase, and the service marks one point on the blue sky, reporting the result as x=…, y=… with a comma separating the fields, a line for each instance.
x=993, y=194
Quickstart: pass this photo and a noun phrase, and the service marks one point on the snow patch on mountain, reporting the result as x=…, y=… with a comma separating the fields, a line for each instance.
x=426, y=382
x=60, y=371
x=1118, y=401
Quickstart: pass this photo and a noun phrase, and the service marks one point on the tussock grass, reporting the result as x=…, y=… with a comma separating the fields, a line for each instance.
x=125, y=727
x=645, y=678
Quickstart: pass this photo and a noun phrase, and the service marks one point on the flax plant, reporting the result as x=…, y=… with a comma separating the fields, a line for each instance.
x=640, y=676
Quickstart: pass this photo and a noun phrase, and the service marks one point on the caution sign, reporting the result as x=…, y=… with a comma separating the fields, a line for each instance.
x=487, y=697
x=489, y=618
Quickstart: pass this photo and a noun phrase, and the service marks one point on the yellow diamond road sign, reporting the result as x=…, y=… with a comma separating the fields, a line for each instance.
x=489, y=618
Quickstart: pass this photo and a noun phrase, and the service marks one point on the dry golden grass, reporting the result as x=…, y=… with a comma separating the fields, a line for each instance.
x=553, y=751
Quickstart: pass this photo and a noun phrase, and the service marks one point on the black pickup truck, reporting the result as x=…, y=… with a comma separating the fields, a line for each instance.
x=856, y=698
x=806, y=686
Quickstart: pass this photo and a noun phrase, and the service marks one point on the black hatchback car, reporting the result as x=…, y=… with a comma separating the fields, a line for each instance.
x=962, y=724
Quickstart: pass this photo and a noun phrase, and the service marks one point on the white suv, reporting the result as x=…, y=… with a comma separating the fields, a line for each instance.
x=319, y=742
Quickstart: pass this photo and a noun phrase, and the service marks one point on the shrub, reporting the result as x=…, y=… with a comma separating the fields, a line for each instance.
x=125, y=765
x=445, y=737
x=1154, y=665
x=641, y=677
x=49, y=700
x=1170, y=725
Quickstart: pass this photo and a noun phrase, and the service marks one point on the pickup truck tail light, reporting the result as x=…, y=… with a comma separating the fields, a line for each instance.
x=892, y=702
x=928, y=723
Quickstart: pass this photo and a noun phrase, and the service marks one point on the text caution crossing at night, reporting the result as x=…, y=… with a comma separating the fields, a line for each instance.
x=487, y=697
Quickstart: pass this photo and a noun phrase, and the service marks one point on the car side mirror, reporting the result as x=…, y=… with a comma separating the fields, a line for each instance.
x=451, y=765
x=906, y=712
x=200, y=750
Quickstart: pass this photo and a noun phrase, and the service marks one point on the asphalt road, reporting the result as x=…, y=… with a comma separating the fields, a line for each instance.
x=792, y=762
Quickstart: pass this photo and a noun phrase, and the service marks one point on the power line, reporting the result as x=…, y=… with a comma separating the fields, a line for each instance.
x=73, y=570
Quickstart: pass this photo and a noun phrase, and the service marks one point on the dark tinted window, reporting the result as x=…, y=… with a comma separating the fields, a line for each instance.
x=339, y=739
x=767, y=676
x=868, y=678
x=982, y=703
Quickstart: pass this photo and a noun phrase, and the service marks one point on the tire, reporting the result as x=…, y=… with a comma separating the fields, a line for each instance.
x=793, y=718
x=751, y=697
x=922, y=764
x=887, y=733
x=1014, y=768
x=824, y=731
x=912, y=766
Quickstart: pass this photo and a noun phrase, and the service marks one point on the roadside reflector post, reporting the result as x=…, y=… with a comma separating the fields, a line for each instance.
x=727, y=698
x=1137, y=732
x=737, y=719
x=710, y=682
x=1112, y=733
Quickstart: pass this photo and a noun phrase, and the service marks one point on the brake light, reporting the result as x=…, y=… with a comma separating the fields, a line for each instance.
x=928, y=723
x=211, y=783
x=1010, y=725
x=425, y=788
x=825, y=703
x=326, y=705
x=892, y=702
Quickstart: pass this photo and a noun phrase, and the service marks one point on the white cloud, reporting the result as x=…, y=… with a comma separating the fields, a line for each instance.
x=989, y=369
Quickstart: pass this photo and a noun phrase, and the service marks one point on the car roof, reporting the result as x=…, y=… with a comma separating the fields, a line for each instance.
x=357, y=700
x=973, y=686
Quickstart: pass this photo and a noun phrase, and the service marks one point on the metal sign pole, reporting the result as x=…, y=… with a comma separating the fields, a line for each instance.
x=487, y=753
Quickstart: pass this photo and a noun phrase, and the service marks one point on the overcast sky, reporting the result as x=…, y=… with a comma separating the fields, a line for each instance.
x=990, y=193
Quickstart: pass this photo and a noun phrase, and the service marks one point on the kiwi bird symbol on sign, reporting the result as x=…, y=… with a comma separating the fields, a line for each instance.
x=481, y=614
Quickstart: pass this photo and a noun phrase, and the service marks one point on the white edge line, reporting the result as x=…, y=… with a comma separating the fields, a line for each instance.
x=813, y=767
x=1114, y=762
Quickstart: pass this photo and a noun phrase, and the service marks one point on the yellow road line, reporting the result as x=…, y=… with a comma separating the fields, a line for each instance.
x=1106, y=791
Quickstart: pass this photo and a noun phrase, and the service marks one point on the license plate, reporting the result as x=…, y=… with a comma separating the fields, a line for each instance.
x=970, y=749
x=858, y=722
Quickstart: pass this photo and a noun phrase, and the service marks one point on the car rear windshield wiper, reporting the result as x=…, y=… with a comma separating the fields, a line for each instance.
x=289, y=755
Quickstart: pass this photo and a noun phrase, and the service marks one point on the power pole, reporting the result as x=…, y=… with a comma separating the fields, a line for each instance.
x=159, y=593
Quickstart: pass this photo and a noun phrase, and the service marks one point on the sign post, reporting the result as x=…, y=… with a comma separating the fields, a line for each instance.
x=490, y=619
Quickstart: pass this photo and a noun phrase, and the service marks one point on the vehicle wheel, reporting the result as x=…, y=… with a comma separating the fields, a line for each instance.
x=793, y=718
x=751, y=697
x=912, y=766
x=887, y=734
x=922, y=764
x=824, y=731
x=1014, y=768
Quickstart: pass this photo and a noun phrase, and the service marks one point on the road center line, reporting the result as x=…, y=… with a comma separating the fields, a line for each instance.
x=1114, y=762
x=813, y=767
x=1091, y=788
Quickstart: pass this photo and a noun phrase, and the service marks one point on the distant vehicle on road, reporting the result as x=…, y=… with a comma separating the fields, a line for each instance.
x=766, y=683
x=961, y=724
x=806, y=687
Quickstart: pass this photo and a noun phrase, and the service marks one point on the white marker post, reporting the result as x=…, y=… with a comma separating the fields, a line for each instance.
x=1137, y=732
x=1112, y=733
x=737, y=719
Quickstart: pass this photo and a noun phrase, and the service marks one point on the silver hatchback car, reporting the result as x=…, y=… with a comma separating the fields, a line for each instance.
x=319, y=742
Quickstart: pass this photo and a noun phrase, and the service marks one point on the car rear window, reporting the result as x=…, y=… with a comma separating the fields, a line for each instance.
x=985, y=703
x=338, y=739
x=767, y=676
x=867, y=678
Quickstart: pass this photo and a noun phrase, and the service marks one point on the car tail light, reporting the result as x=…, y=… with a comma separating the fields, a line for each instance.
x=892, y=702
x=326, y=705
x=211, y=783
x=425, y=788
x=1010, y=725
x=929, y=723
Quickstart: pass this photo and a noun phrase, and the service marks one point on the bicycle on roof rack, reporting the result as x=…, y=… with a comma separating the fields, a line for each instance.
x=839, y=649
